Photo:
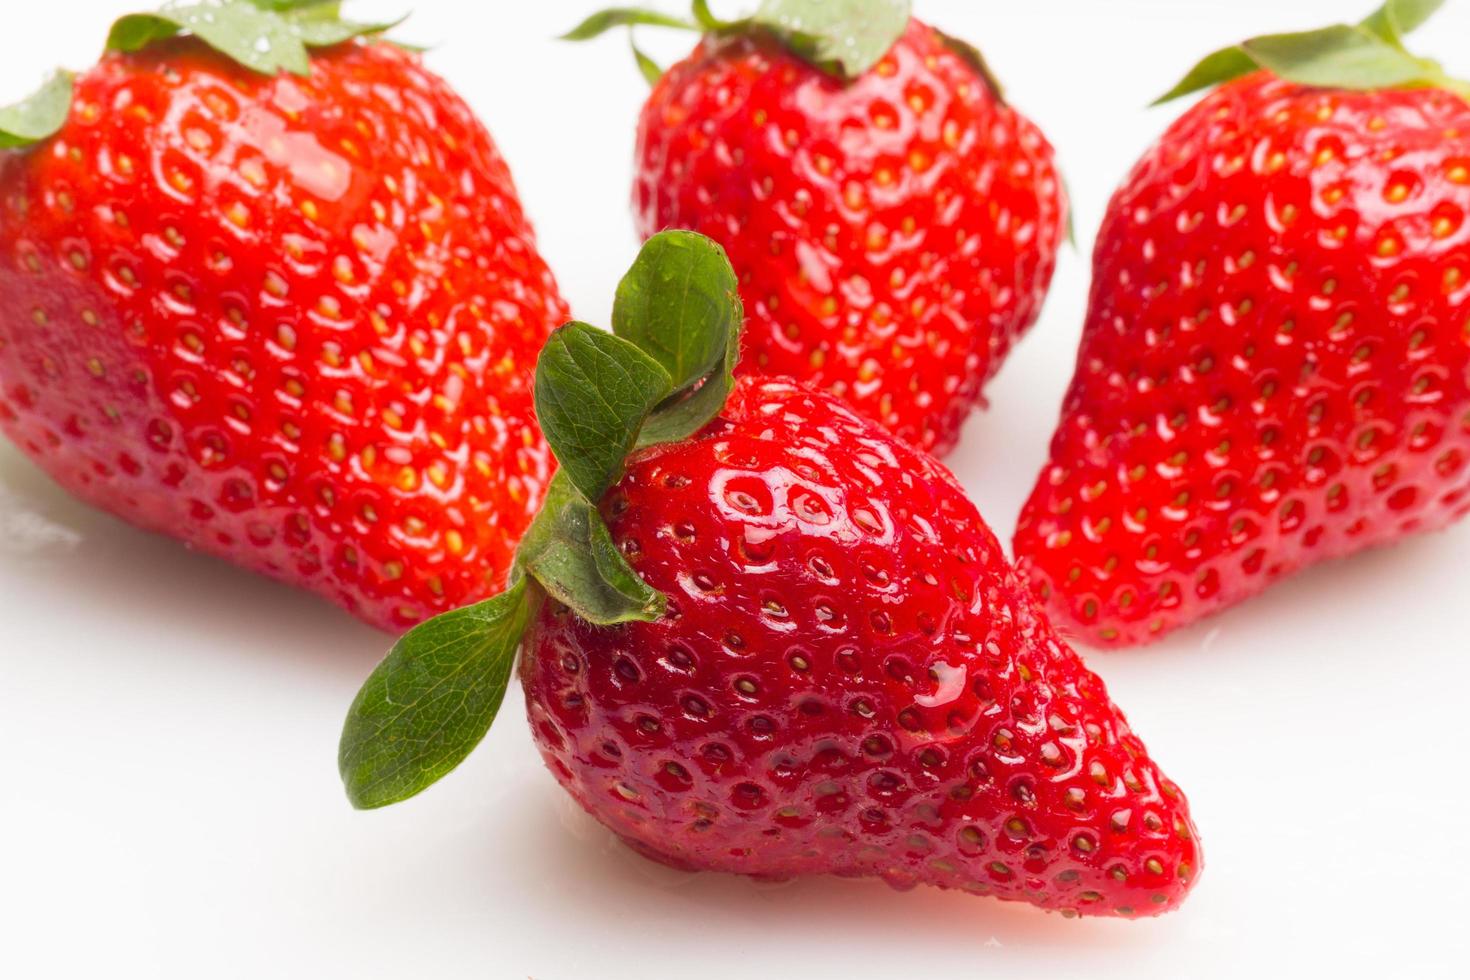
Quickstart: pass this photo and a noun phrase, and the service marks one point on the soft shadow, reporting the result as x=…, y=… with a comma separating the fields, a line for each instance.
x=592, y=872
x=1312, y=602
x=121, y=574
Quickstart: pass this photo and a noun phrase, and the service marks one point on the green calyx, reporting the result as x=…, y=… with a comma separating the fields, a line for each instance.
x=844, y=38
x=661, y=375
x=266, y=36
x=1364, y=56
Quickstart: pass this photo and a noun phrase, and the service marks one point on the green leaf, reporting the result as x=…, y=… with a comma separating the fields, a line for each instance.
x=1213, y=69
x=1368, y=56
x=1339, y=57
x=431, y=701
x=593, y=393
x=845, y=37
x=320, y=8
x=261, y=40
x=267, y=36
x=606, y=20
x=1399, y=17
x=326, y=33
x=977, y=61
x=680, y=303
x=571, y=554
x=647, y=67
x=38, y=116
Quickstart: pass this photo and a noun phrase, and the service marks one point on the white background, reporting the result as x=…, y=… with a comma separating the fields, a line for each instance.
x=169, y=804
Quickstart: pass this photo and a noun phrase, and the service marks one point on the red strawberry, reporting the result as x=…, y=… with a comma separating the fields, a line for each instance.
x=894, y=221
x=289, y=319
x=1275, y=368
x=840, y=673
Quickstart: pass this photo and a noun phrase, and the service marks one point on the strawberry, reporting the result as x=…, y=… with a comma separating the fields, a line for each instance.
x=288, y=317
x=894, y=220
x=773, y=639
x=1275, y=368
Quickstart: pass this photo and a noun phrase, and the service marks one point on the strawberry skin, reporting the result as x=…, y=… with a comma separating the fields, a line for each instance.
x=894, y=234
x=1275, y=368
x=849, y=678
x=289, y=320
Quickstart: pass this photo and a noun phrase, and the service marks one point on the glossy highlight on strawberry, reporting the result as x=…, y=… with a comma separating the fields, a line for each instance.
x=1275, y=368
x=895, y=233
x=289, y=319
x=849, y=678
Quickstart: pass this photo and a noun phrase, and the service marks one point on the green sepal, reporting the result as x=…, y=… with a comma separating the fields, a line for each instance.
x=569, y=551
x=264, y=36
x=1340, y=57
x=1071, y=209
x=1369, y=55
x=594, y=391
x=605, y=20
x=651, y=70
x=38, y=116
x=431, y=700
x=842, y=37
x=680, y=302
x=1399, y=17
x=599, y=396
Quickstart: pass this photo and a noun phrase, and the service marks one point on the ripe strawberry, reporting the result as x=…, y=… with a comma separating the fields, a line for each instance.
x=894, y=221
x=287, y=318
x=1275, y=368
x=839, y=672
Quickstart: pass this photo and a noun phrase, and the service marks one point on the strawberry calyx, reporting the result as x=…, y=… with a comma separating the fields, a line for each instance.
x=265, y=36
x=1368, y=55
x=663, y=372
x=844, y=38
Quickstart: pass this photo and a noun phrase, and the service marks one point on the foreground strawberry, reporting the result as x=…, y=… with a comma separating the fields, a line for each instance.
x=1274, y=366
x=894, y=221
x=763, y=636
x=287, y=318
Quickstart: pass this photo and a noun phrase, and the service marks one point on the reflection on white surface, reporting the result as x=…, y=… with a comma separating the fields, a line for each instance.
x=24, y=533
